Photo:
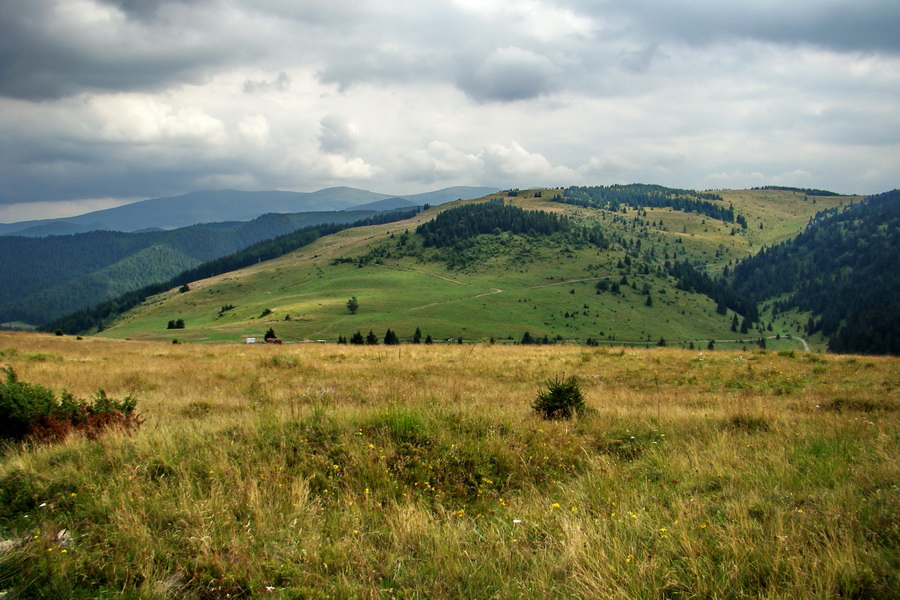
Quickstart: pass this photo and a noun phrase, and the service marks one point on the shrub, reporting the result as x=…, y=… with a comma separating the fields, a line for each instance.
x=561, y=400
x=29, y=410
x=748, y=423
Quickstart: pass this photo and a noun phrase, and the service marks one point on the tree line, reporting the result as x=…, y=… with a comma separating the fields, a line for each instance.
x=640, y=196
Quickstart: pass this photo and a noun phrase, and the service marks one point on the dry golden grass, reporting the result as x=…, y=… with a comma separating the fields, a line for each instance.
x=324, y=471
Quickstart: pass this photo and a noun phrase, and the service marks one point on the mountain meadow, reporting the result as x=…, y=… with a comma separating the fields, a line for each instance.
x=423, y=471
x=624, y=392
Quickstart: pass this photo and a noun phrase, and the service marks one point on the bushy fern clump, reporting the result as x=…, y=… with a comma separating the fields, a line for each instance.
x=29, y=410
x=561, y=400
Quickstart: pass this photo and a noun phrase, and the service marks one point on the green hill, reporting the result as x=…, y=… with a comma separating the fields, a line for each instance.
x=46, y=278
x=606, y=276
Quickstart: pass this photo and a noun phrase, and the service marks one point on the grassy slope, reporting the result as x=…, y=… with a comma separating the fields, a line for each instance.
x=503, y=296
x=323, y=471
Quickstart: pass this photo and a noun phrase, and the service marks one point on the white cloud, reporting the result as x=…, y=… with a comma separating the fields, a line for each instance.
x=255, y=129
x=336, y=168
x=338, y=136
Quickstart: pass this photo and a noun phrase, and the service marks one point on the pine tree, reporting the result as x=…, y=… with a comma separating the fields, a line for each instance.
x=428, y=340
x=353, y=305
x=391, y=339
x=357, y=339
x=417, y=336
x=371, y=338
x=270, y=334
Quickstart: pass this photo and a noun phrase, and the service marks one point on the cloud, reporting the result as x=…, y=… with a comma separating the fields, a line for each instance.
x=144, y=98
x=504, y=164
x=640, y=60
x=860, y=26
x=338, y=135
x=55, y=49
x=281, y=83
x=338, y=168
x=510, y=74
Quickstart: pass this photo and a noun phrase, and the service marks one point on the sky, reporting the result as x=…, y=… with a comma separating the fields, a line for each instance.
x=104, y=102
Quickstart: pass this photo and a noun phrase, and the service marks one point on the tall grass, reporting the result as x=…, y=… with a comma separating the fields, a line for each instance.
x=322, y=471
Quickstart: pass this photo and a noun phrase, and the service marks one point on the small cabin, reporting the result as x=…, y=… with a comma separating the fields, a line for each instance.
x=251, y=340
x=273, y=340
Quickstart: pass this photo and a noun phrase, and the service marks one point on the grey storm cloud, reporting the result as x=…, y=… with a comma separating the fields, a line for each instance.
x=862, y=25
x=49, y=51
x=510, y=74
x=135, y=98
x=146, y=9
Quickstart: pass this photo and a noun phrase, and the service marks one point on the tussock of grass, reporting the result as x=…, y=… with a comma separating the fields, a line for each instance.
x=359, y=473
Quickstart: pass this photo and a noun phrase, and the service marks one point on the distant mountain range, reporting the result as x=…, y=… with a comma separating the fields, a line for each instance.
x=53, y=267
x=230, y=205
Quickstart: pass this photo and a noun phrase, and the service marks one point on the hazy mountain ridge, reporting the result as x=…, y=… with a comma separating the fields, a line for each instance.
x=45, y=278
x=226, y=205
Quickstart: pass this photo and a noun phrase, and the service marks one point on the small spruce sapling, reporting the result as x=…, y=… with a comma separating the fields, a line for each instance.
x=561, y=400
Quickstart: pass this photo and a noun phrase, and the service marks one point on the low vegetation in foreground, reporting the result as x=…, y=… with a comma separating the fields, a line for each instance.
x=326, y=471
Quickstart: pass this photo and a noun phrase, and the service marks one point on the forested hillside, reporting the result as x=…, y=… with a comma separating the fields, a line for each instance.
x=844, y=269
x=45, y=278
x=99, y=313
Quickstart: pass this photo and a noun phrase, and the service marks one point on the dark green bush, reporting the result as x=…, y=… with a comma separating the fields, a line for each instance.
x=561, y=400
x=29, y=410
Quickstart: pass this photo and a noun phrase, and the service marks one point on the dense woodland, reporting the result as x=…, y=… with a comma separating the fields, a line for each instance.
x=45, y=278
x=458, y=228
x=459, y=225
x=844, y=269
x=95, y=316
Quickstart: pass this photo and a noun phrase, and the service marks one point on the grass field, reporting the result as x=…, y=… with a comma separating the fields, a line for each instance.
x=326, y=471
